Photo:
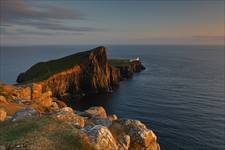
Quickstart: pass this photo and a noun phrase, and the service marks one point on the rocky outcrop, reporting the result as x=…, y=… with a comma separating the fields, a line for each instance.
x=127, y=71
x=82, y=73
x=95, y=131
x=124, y=142
x=67, y=115
x=140, y=135
x=24, y=114
x=91, y=74
x=3, y=114
x=15, y=98
x=96, y=112
x=100, y=137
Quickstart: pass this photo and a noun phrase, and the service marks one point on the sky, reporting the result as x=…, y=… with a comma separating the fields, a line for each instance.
x=155, y=22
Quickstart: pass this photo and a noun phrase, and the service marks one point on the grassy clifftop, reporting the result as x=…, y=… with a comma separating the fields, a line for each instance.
x=119, y=62
x=43, y=70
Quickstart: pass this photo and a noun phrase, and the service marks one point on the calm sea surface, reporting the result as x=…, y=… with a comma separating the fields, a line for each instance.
x=180, y=95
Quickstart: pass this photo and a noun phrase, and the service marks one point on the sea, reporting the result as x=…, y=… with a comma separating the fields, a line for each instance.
x=180, y=95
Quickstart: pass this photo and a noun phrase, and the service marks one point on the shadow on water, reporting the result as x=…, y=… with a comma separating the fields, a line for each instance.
x=90, y=101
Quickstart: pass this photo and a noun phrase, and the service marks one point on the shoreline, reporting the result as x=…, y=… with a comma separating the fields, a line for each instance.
x=45, y=99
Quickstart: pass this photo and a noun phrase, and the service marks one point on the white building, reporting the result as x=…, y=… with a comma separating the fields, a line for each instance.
x=136, y=59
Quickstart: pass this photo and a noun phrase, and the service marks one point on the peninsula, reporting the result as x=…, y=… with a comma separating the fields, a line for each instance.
x=34, y=114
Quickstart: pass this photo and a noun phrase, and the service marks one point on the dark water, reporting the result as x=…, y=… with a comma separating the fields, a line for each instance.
x=180, y=95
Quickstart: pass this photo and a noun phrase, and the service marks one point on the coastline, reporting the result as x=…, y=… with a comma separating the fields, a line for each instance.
x=46, y=98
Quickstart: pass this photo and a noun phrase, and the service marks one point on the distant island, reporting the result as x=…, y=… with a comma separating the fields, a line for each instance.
x=34, y=113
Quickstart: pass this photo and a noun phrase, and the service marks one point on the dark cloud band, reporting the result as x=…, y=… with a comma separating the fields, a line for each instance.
x=47, y=17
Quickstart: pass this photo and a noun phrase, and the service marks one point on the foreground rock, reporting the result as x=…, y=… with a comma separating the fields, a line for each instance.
x=67, y=115
x=96, y=112
x=73, y=131
x=24, y=114
x=3, y=114
x=140, y=135
x=100, y=137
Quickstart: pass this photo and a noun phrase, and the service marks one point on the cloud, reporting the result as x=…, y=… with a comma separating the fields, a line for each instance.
x=22, y=32
x=15, y=11
x=200, y=37
x=44, y=17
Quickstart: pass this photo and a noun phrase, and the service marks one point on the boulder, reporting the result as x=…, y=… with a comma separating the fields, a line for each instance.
x=67, y=110
x=46, y=102
x=67, y=114
x=140, y=134
x=96, y=112
x=100, y=137
x=3, y=114
x=101, y=121
x=124, y=142
x=112, y=117
x=3, y=100
x=55, y=106
x=24, y=113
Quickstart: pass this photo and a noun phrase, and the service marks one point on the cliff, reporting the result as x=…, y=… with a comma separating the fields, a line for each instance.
x=126, y=67
x=81, y=73
x=33, y=115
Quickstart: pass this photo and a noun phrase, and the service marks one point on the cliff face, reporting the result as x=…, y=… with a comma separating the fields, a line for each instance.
x=85, y=72
x=92, y=76
x=127, y=71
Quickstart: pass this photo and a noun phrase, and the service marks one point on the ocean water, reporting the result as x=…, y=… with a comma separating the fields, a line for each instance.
x=180, y=95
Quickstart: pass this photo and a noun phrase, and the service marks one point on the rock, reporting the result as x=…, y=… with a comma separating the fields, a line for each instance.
x=67, y=110
x=112, y=117
x=22, y=101
x=36, y=91
x=60, y=103
x=55, y=106
x=100, y=137
x=46, y=102
x=46, y=94
x=124, y=142
x=101, y=121
x=3, y=114
x=3, y=100
x=96, y=112
x=90, y=73
x=2, y=147
x=140, y=134
x=15, y=92
x=25, y=92
x=127, y=68
x=45, y=98
x=24, y=113
x=66, y=114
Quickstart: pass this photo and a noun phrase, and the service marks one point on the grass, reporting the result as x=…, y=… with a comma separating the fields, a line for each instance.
x=119, y=62
x=45, y=132
x=12, y=131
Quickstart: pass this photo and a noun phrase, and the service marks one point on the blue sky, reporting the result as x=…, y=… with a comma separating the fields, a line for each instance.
x=101, y=22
